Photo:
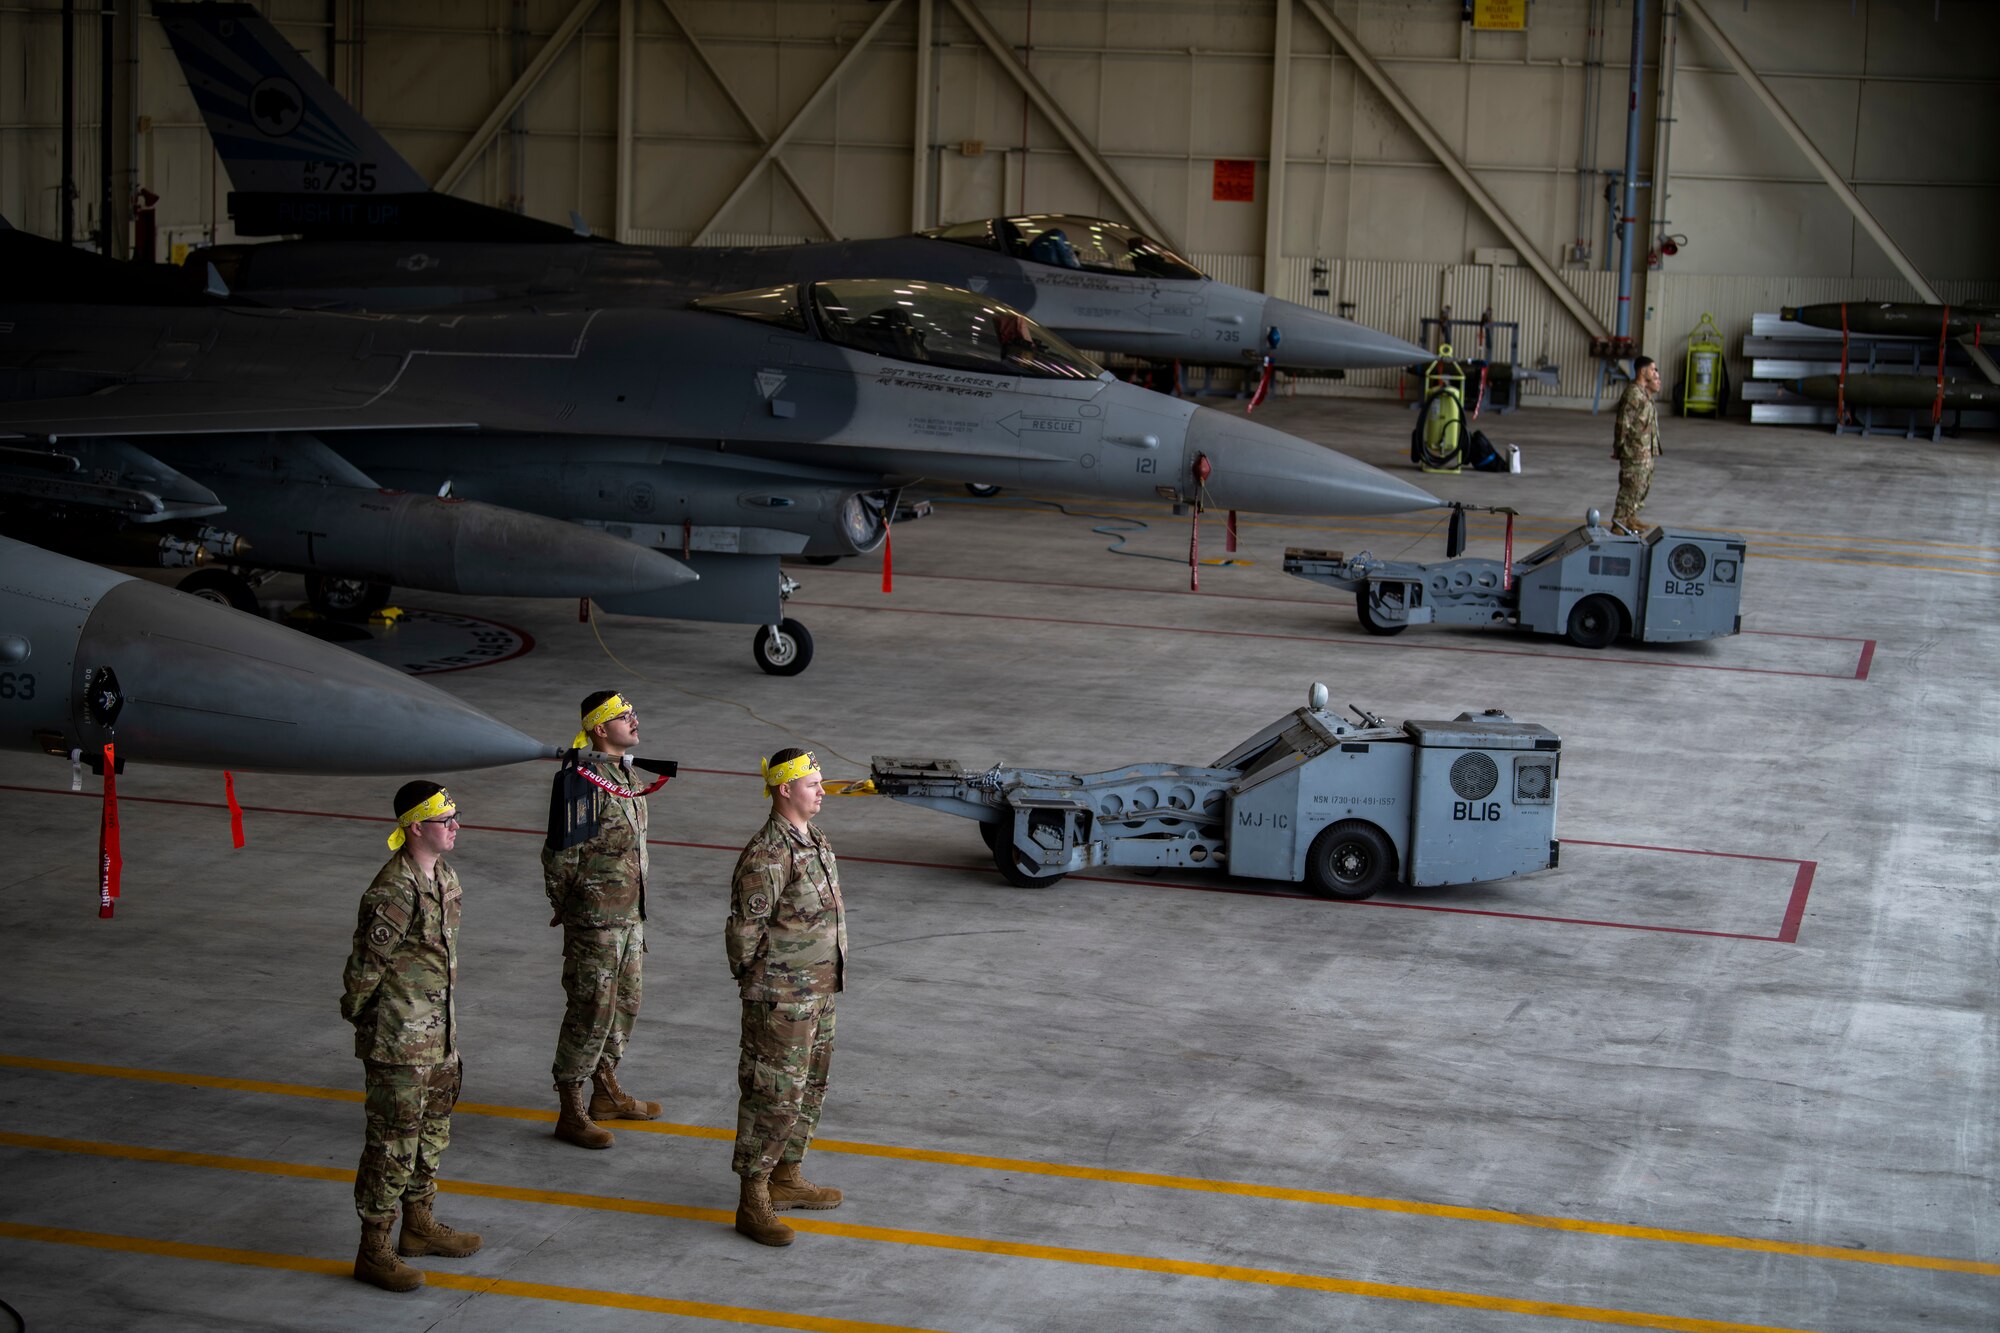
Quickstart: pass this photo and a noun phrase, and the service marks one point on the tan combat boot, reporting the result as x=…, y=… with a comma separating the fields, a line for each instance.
x=376, y=1262
x=611, y=1102
x=789, y=1189
x=573, y=1125
x=424, y=1234
x=754, y=1217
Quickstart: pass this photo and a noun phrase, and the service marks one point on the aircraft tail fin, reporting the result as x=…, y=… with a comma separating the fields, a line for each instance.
x=278, y=125
x=302, y=160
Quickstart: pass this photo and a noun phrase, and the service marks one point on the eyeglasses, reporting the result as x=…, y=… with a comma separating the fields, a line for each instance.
x=450, y=821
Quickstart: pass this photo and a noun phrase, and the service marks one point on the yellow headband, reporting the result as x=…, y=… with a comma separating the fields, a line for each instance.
x=438, y=803
x=597, y=717
x=789, y=771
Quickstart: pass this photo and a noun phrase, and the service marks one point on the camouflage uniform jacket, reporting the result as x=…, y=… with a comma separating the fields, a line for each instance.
x=403, y=973
x=787, y=931
x=1638, y=430
x=602, y=882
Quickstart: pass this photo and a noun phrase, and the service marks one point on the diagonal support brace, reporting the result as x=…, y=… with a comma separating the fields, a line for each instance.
x=772, y=148
x=1093, y=161
x=1498, y=216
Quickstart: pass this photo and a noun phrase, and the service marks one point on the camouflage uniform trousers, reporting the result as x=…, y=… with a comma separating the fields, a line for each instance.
x=1635, y=479
x=786, y=1053
x=409, y=1127
x=601, y=976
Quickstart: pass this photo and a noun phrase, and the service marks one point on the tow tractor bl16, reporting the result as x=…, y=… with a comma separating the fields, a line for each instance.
x=1349, y=808
x=1591, y=584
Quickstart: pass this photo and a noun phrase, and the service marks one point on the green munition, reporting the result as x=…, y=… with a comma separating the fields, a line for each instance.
x=1899, y=319
x=1901, y=391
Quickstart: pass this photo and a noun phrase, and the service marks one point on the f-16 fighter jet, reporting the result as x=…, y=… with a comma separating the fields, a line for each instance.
x=306, y=164
x=713, y=439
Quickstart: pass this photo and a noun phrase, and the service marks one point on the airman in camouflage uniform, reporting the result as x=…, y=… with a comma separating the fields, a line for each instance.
x=1637, y=443
x=400, y=983
x=597, y=890
x=787, y=945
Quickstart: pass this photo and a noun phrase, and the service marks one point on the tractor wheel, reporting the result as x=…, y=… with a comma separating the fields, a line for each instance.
x=1593, y=622
x=1351, y=860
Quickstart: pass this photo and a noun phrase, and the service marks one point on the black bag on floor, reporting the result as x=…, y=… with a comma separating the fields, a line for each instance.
x=1481, y=455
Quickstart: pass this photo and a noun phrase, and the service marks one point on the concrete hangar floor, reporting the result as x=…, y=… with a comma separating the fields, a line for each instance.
x=1732, y=1065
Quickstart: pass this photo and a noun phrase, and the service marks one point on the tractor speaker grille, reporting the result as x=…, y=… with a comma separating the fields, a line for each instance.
x=1474, y=776
x=1534, y=782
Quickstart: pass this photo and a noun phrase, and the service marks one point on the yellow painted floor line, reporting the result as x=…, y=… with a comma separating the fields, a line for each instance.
x=1136, y=1263
x=1026, y=1166
x=532, y=1291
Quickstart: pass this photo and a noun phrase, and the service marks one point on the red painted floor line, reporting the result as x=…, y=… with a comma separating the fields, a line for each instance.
x=1595, y=660
x=1787, y=934
x=1795, y=910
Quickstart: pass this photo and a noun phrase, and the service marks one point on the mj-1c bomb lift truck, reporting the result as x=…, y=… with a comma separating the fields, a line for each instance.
x=1348, y=808
x=1592, y=584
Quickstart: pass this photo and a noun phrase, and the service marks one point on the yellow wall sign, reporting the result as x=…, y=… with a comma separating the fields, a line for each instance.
x=1500, y=15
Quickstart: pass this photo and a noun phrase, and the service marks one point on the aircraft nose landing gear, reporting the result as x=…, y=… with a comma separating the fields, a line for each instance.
x=783, y=649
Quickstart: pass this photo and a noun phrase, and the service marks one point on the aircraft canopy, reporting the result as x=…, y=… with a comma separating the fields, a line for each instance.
x=1067, y=240
x=922, y=322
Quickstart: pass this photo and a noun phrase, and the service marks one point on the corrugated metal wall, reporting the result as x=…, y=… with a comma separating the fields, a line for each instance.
x=1397, y=296
x=655, y=236
x=1238, y=270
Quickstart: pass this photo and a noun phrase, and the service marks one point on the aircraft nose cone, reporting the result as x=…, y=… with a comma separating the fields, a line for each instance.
x=1314, y=340
x=1270, y=472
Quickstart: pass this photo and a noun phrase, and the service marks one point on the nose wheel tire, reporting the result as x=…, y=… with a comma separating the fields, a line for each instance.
x=333, y=595
x=984, y=492
x=1351, y=861
x=783, y=649
x=1593, y=622
x=1368, y=619
x=1015, y=871
x=219, y=585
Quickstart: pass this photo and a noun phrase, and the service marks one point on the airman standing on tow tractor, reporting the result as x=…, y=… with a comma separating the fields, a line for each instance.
x=1636, y=443
x=399, y=996
x=597, y=889
x=787, y=944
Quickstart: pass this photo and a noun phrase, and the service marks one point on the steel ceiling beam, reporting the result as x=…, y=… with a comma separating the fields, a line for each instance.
x=1032, y=87
x=920, y=129
x=1281, y=110
x=771, y=149
x=628, y=55
x=510, y=101
x=1498, y=216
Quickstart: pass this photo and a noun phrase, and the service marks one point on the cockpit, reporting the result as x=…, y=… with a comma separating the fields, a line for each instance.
x=1065, y=240
x=913, y=321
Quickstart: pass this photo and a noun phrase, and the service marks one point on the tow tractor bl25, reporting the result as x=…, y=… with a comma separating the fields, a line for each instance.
x=1349, y=808
x=1592, y=584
